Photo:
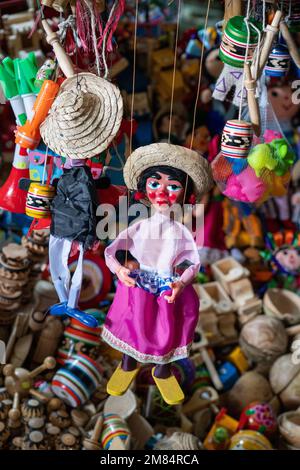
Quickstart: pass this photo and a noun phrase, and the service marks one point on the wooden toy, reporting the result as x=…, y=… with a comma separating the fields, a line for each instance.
x=251, y=386
x=38, y=200
x=123, y=406
x=236, y=138
x=219, y=435
x=278, y=62
x=240, y=37
x=227, y=271
x=282, y=304
x=284, y=380
x=217, y=316
x=289, y=427
x=79, y=338
x=263, y=339
x=254, y=112
x=48, y=340
x=60, y=418
x=115, y=433
x=249, y=440
x=259, y=417
x=179, y=441
x=228, y=375
x=69, y=439
x=238, y=358
x=271, y=31
x=202, y=398
x=77, y=380
x=93, y=443
x=52, y=433
x=31, y=408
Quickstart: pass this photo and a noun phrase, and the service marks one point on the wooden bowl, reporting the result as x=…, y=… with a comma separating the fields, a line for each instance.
x=289, y=427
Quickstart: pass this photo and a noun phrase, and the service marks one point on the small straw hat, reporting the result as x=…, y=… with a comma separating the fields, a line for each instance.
x=84, y=118
x=189, y=161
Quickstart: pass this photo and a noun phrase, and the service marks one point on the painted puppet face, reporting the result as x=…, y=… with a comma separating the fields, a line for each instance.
x=163, y=191
x=281, y=100
x=289, y=258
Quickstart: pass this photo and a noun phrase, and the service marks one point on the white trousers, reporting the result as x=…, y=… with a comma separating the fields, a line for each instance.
x=67, y=288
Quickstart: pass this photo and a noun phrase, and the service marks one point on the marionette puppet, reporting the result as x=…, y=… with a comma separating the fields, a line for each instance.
x=83, y=120
x=155, y=312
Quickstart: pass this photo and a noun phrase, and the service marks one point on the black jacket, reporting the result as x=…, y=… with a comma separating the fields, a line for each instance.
x=74, y=207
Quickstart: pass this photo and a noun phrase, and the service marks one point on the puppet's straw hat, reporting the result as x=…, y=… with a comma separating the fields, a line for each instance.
x=189, y=161
x=84, y=118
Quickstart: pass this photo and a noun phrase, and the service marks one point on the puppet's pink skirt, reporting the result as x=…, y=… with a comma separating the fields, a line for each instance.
x=148, y=328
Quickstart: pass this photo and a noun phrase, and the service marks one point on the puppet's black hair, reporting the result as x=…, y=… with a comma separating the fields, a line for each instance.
x=175, y=173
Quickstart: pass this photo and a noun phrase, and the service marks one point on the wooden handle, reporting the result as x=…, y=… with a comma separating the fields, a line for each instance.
x=272, y=30
x=49, y=363
x=97, y=429
x=63, y=59
x=254, y=113
x=211, y=369
x=202, y=398
x=293, y=50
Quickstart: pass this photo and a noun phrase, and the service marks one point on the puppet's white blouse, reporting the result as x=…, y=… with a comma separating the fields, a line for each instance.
x=159, y=245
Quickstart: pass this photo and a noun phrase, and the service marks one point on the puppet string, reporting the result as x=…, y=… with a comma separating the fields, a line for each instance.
x=133, y=75
x=199, y=79
x=132, y=106
x=174, y=68
x=45, y=165
x=246, y=20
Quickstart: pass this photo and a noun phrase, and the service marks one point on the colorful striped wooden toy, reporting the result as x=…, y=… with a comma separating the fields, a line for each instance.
x=77, y=380
x=38, y=200
x=278, y=62
x=234, y=41
x=114, y=426
x=236, y=138
x=79, y=338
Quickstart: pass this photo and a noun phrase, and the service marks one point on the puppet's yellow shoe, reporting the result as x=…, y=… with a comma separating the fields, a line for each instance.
x=169, y=388
x=120, y=381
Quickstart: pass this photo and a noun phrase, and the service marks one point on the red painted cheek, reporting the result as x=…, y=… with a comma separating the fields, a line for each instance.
x=151, y=194
x=173, y=197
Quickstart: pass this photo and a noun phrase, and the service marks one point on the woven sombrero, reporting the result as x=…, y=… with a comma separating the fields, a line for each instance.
x=175, y=156
x=84, y=118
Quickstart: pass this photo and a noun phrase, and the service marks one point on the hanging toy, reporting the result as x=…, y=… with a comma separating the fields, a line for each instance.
x=141, y=321
x=278, y=62
x=38, y=200
x=17, y=77
x=240, y=39
x=236, y=139
x=83, y=120
x=28, y=136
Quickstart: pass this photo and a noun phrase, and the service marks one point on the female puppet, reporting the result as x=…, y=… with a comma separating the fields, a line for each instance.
x=155, y=312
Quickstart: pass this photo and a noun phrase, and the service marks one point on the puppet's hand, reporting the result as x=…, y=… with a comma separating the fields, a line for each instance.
x=123, y=275
x=177, y=288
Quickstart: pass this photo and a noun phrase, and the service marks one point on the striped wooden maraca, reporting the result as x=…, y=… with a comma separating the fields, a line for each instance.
x=77, y=380
x=233, y=47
